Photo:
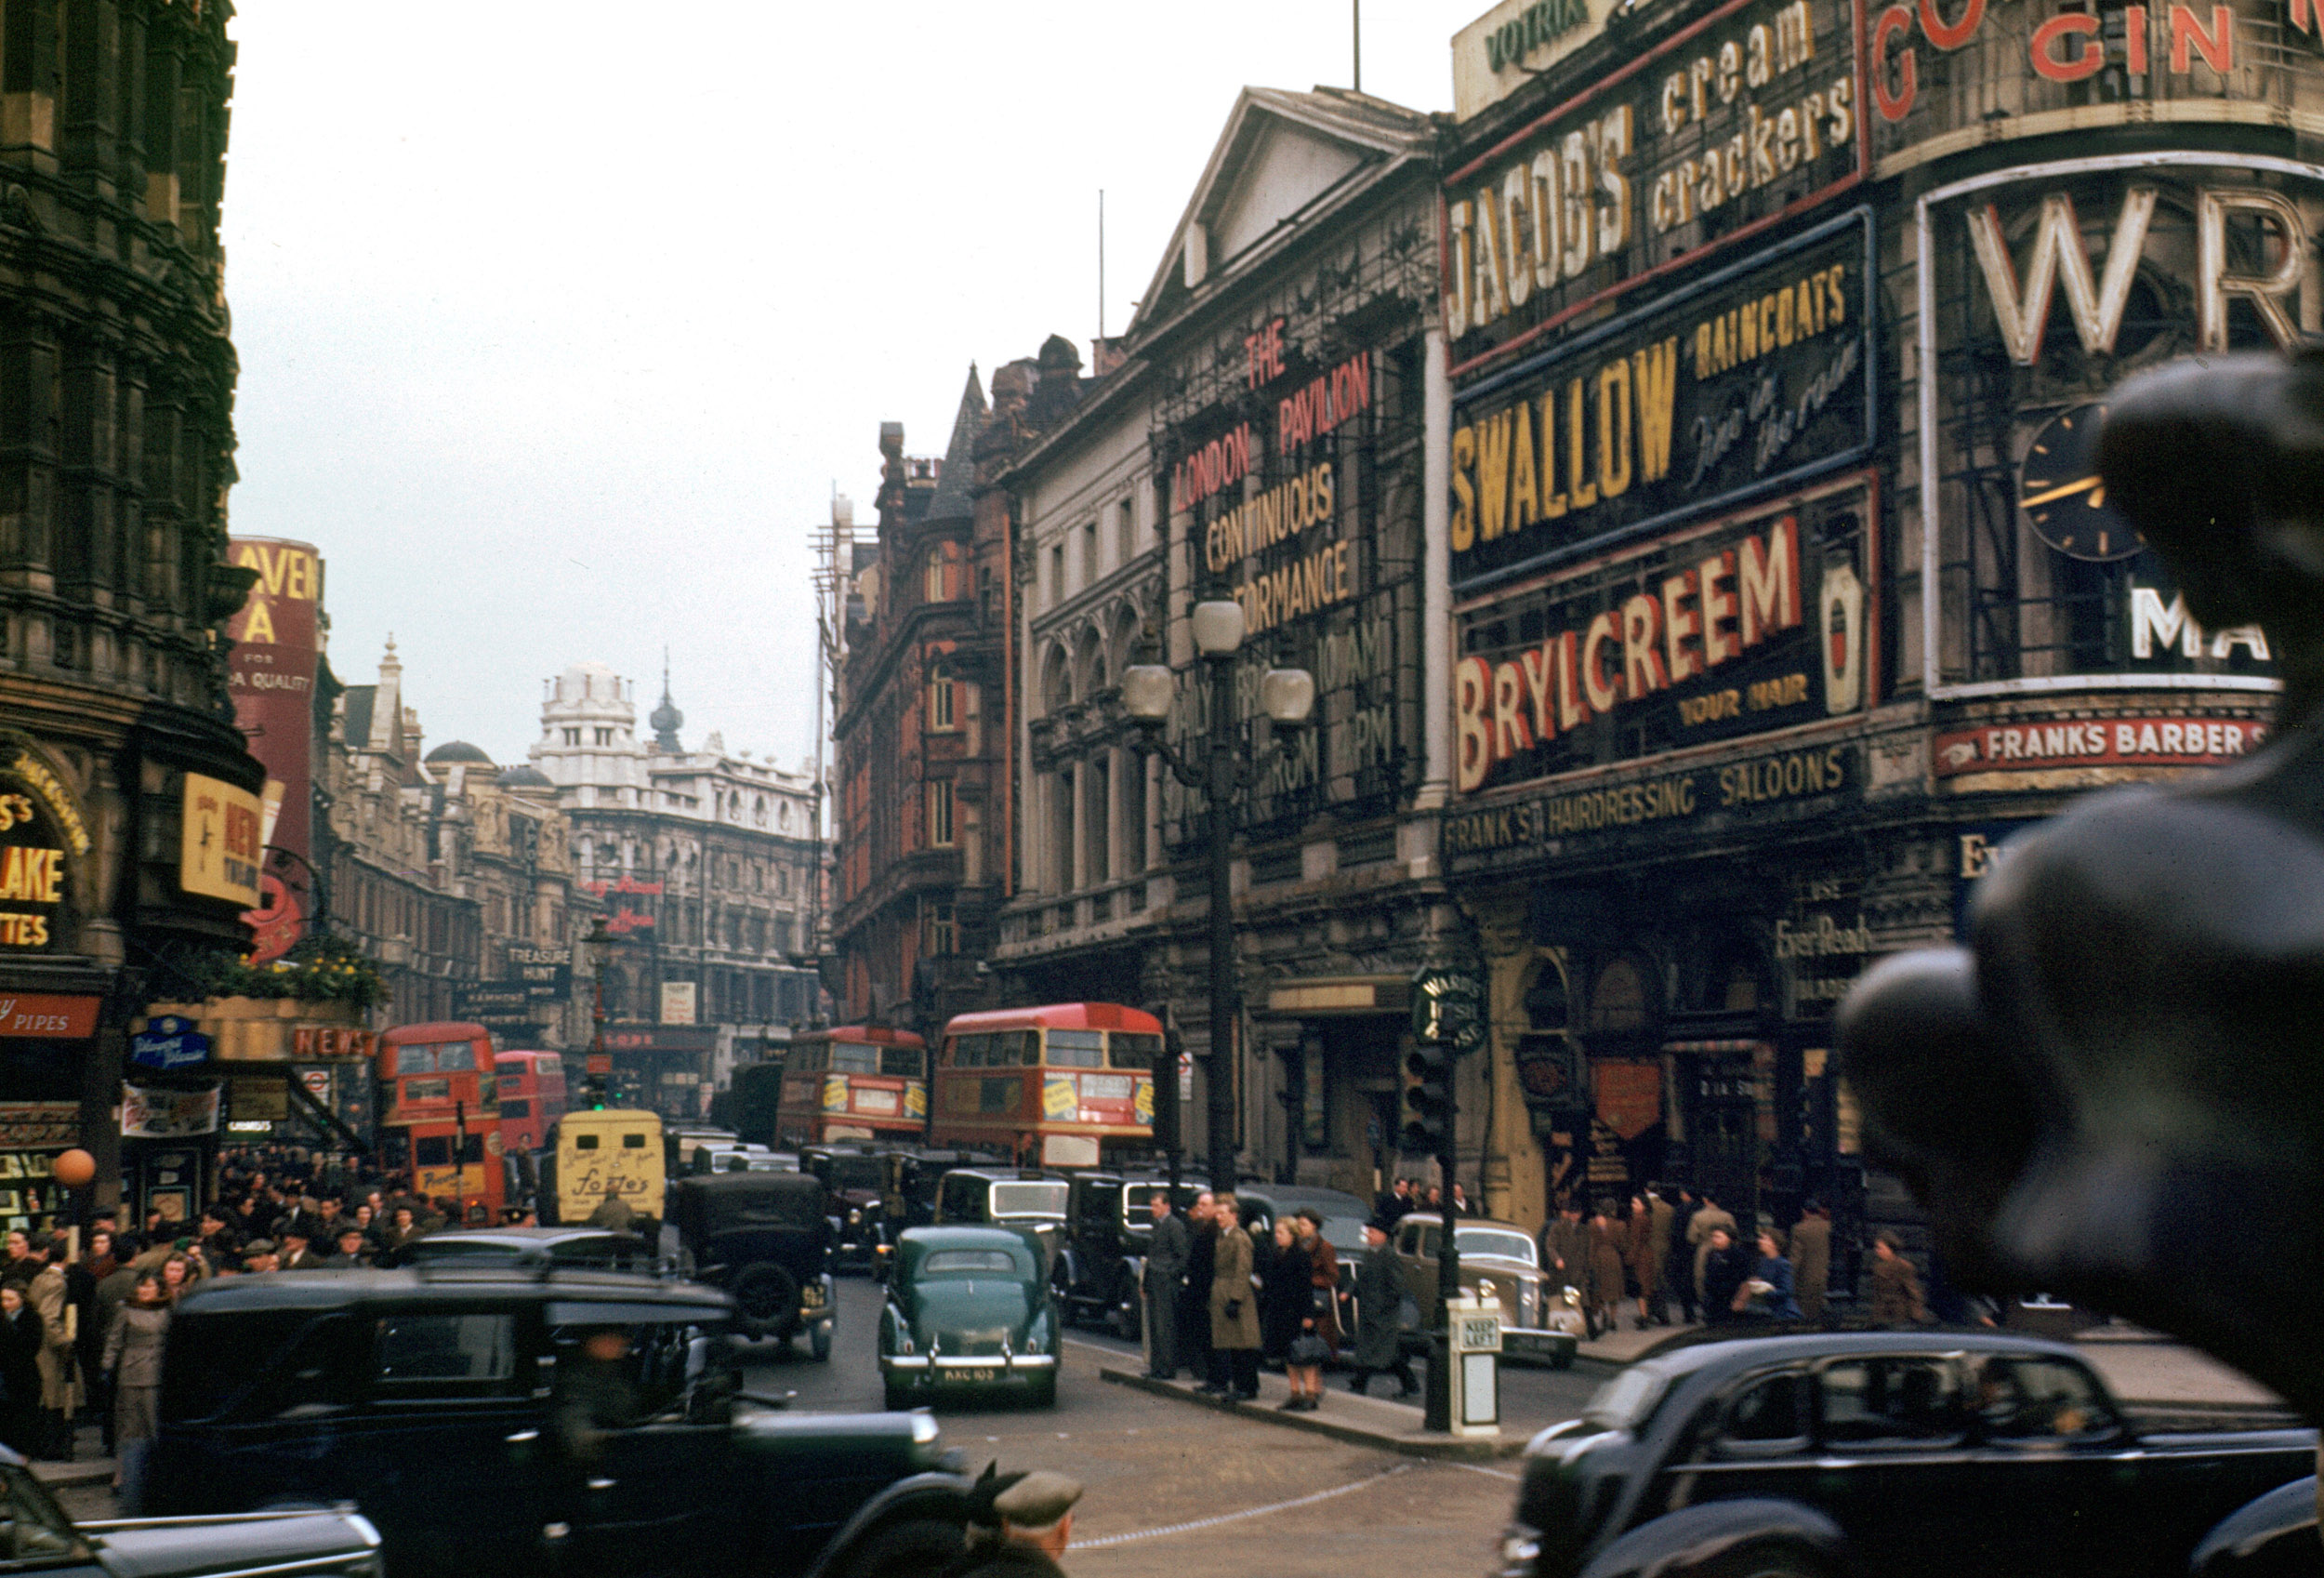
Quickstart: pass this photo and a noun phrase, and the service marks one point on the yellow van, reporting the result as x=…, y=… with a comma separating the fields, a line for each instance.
x=617, y=1147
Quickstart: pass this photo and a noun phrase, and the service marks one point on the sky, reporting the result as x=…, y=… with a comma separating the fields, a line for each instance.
x=558, y=324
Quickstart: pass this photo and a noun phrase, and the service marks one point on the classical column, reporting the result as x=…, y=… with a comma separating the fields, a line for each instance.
x=1118, y=861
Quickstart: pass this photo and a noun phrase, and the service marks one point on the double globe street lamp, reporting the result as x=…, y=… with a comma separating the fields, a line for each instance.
x=1288, y=697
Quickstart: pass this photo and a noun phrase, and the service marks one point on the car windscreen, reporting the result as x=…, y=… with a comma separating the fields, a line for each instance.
x=769, y=1205
x=1497, y=1241
x=851, y=1172
x=1045, y=1198
x=1628, y=1400
x=975, y=1263
x=1344, y=1233
x=1137, y=1200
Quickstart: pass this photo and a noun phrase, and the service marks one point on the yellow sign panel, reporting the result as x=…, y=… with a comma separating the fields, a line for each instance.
x=218, y=848
x=1141, y=1105
x=1057, y=1099
x=835, y=1092
x=915, y=1099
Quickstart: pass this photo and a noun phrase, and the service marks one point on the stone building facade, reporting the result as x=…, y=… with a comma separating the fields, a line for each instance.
x=131, y=838
x=704, y=863
x=1784, y=592
x=1265, y=439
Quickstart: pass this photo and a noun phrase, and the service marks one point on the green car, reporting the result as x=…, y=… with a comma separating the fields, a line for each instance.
x=967, y=1308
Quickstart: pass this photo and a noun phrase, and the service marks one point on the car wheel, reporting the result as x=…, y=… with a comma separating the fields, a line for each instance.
x=765, y=1290
x=899, y=1398
x=1758, y=1562
x=901, y=1551
x=1043, y=1393
x=821, y=1342
x=1127, y=1320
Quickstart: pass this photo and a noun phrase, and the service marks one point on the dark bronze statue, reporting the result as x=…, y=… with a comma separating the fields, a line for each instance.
x=2116, y=1093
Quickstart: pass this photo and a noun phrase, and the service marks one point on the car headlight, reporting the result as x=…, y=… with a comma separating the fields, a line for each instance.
x=855, y=1219
x=1520, y=1549
x=1037, y=1337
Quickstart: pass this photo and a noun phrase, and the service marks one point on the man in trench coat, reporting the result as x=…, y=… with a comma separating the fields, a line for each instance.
x=1164, y=1278
x=1811, y=1261
x=1233, y=1310
x=1379, y=1301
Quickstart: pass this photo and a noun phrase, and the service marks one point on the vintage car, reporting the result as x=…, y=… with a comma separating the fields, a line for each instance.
x=907, y=1193
x=1499, y=1262
x=1343, y=1216
x=1100, y=1266
x=591, y=1249
x=1026, y=1200
x=315, y=1542
x=1900, y=1453
x=853, y=1173
x=474, y=1416
x=766, y=1239
x=967, y=1308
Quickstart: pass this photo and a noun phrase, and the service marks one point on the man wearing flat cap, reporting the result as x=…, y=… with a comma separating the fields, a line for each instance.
x=1035, y=1520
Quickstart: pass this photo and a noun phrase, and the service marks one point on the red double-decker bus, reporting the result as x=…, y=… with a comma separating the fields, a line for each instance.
x=532, y=1087
x=855, y=1082
x=440, y=1113
x=1067, y=1085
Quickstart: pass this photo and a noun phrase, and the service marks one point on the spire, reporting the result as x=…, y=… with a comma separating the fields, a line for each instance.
x=958, y=476
x=666, y=719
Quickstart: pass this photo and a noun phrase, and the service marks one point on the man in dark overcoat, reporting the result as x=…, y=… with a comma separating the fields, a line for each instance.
x=1378, y=1299
x=1811, y=1261
x=1164, y=1280
x=1193, y=1307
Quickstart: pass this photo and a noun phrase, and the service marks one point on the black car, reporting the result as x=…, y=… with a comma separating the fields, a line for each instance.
x=1102, y=1261
x=907, y=1193
x=1898, y=1453
x=36, y=1533
x=520, y=1421
x=766, y=1239
x=1026, y=1200
x=853, y=1173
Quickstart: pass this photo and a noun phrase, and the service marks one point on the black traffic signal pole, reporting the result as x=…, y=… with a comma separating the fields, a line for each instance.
x=1433, y=1127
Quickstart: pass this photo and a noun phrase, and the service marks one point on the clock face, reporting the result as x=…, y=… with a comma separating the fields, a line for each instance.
x=2059, y=490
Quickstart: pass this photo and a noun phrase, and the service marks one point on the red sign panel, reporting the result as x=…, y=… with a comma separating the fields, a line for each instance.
x=271, y=673
x=319, y=1041
x=42, y=1016
x=2096, y=742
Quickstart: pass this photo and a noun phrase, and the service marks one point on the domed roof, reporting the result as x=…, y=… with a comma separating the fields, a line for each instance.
x=458, y=750
x=525, y=777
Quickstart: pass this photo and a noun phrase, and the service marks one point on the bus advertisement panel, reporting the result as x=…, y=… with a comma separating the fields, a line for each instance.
x=1065, y=1085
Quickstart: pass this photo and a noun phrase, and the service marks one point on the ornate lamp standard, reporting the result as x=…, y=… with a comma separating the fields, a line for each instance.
x=597, y=946
x=1287, y=697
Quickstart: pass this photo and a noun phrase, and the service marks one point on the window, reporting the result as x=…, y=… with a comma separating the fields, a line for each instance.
x=1902, y=1400
x=940, y=813
x=2039, y=1400
x=1125, y=531
x=1057, y=574
x=420, y=1348
x=516, y=1107
x=572, y=737
x=1076, y=1048
x=942, y=698
x=604, y=736
x=584, y=1142
x=633, y=1141
x=901, y=1062
x=1772, y=1409
x=967, y=1262
x=938, y=934
x=933, y=589
x=1133, y=1049
x=1090, y=554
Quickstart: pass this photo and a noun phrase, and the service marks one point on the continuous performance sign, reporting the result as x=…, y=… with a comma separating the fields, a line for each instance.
x=1757, y=377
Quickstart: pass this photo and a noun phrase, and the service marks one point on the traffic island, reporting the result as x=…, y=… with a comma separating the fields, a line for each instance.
x=1360, y=1421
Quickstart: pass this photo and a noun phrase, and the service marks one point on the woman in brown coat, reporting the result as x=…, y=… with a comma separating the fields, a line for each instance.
x=1644, y=1251
x=1234, y=1311
x=1323, y=1263
x=1895, y=1296
x=1605, y=1292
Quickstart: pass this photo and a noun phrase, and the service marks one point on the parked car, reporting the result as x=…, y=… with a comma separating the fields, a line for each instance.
x=1343, y=1214
x=853, y=1173
x=596, y=1248
x=1900, y=1453
x=1098, y=1272
x=460, y=1414
x=907, y=1193
x=766, y=1239
x=1498, y=1262
x=967, y=1308
x=1028, y=1200
x=314, y=1543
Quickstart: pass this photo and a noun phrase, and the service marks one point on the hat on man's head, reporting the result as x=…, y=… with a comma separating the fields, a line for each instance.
x=256, y=1247
x=1038, y=1500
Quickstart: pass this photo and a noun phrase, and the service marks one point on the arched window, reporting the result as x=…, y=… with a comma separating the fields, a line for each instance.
x=944, y=694
x=1619, y=1003
x=1547, y=1068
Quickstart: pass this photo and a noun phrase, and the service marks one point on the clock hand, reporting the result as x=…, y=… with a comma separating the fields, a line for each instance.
x=2083, y=485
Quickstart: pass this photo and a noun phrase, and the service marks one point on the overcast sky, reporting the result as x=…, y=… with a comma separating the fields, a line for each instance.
x=558, y=323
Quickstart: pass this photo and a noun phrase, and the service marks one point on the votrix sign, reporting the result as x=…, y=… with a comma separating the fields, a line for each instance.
x=1750, y=380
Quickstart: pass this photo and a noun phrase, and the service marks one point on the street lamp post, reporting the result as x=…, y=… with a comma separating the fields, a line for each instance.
x=600, y=945
x=1288, y=697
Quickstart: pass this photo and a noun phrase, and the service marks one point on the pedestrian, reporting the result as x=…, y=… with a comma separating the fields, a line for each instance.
x=1602, y=1297
x=1323, y=1262
x=354, y=1250
x=178, y=1276
x=1402, y=1194
x=1379, y=1314
x=111, y=1291
x=1766, y=1294
x=296, y=1254
x=1459, y=1204
x=60, y=1379
x=1165, y=1275
x=1032, y=1523
x=1434, y=1201
x=132, y=1369
x=1725, y=1268
x=258, y=1256
x=1194, y=1310
x=1565, y=1248
x=1811, y=1260
x=1287, y=1295
x=1896, y=1297
x=1678, y=1266
x=19, y=1369
x=613, y=1211
x=1643, y=1255
x=1708, y=1215
x=1661, y=1223
x=1233, y=1310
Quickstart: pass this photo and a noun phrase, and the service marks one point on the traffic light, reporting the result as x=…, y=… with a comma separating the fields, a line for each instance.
x=1428, y=1099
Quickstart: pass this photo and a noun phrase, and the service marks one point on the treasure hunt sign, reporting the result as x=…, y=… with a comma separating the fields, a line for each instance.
x=1751, y=379
x=1747, y=118
x=1761, y=621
